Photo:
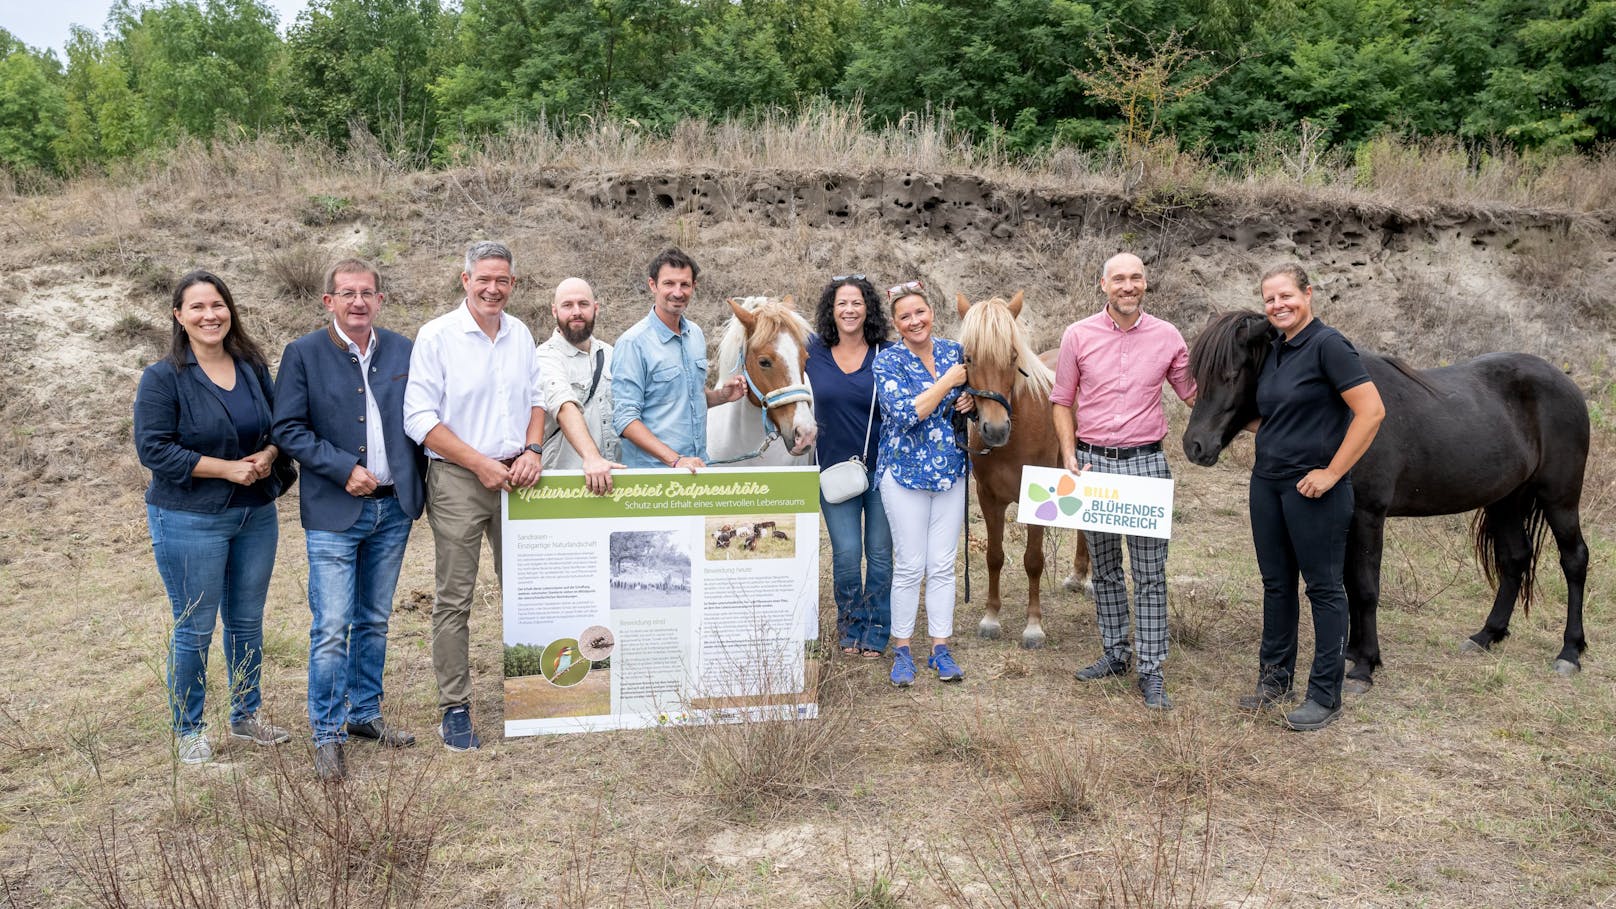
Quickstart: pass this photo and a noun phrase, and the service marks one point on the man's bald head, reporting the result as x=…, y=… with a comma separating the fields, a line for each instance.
x=574, y=309
x=1122, y=261
x=1123, y=282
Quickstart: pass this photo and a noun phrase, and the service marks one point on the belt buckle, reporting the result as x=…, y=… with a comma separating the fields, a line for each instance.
x=1114, y=454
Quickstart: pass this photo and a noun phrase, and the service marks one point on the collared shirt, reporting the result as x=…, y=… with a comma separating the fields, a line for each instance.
x=1115, y=377
x=659, y=377
x=483, y=389
x=1304, y=418
x=920, y=454
x=375, y=440
x=568, y=373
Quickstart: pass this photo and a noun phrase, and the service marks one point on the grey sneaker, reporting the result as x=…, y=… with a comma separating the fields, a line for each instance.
x=1312, y=715
x=254, y=730
x=1102, y=668
x=1154, y=691
x=194, y=749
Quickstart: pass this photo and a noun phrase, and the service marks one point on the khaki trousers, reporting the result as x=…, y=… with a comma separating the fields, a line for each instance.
x=461, y=512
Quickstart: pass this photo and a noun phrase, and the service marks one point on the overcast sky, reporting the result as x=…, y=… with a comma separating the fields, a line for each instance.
x=44, y=23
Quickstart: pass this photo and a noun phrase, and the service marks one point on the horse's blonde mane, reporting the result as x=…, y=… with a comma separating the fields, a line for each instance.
x=992, y=335
x=774, y=317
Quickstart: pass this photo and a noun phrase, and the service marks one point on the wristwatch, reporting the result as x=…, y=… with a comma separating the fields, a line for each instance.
x=536, y=448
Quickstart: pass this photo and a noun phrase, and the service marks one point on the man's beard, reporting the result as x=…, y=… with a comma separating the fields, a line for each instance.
x=577, y=335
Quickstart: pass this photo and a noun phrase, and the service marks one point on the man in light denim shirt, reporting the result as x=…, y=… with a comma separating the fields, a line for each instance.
x=659, y=375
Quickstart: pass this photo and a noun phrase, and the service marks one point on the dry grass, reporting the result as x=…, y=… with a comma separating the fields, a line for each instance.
x=1459, y=781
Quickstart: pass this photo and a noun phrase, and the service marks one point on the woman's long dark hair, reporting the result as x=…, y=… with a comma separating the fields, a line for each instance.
x=236, y=341
x=876, y=326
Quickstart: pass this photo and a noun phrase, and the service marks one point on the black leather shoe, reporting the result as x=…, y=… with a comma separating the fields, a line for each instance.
x=381, y=733
x=1102, y=668
x=1154, y=691
x=329, y=764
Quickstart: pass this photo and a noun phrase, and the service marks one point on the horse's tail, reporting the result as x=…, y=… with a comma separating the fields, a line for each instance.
x=1486, y=547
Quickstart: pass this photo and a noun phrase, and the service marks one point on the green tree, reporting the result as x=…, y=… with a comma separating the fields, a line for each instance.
x=734, y=65
x=197, y=68
x=1555, y=82
x=990, y=61
x=370, y=62
x=33, y=108
x=105, y=118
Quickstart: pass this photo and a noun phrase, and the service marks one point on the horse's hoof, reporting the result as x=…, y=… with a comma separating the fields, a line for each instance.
x=1470, y=646
x=988, y=629
x=1357, y=686
x=1566, y=669
x=1075, y=585
x=1032, y=639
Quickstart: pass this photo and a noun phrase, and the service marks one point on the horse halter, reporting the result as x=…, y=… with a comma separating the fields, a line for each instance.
x=973, y=416
x=798, y=393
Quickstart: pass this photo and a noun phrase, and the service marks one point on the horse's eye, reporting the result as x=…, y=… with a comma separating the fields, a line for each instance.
x=765, y=363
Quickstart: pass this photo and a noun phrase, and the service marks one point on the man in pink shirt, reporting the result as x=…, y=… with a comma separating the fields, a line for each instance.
x=1107, y=406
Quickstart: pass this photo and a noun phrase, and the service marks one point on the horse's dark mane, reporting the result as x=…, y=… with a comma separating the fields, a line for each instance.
x=1220, y=350
x=1409, y=371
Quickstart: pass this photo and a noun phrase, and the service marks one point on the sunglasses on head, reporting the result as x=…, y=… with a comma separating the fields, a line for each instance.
x=907, y=287
x=838, y=279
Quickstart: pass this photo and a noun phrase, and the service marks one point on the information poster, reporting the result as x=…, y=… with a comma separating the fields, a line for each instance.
x=676, y=598
x=1109, y=502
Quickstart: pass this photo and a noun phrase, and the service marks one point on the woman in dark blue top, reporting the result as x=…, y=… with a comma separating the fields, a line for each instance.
x=202, y=419
x=1318, y=412
x=850, y=327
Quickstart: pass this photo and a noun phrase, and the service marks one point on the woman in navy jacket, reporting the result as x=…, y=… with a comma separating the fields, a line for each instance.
x=202, y=421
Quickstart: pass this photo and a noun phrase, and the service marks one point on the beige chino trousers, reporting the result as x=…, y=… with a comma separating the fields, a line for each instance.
x=461, y=512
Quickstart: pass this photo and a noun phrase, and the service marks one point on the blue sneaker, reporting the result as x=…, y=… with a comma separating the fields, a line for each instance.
x=456, y=730
x=943, y=661
x=903, y=667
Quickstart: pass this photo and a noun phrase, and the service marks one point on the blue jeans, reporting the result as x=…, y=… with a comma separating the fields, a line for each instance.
x=352, y=574
x=861, y=569
x=216, y=567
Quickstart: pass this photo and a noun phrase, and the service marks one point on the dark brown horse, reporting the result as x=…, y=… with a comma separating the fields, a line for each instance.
x=1000, y=364
x=1504, y=433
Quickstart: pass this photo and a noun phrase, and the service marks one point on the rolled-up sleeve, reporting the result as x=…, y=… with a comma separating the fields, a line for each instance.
x=423, y=396
x=1178, y=372
x=556, y=388
x=896, y=396
x=628, y=385
x=1064, y=391
x=157, y=424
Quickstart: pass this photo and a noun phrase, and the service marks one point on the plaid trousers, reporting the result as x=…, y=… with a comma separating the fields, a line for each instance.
x=1147, y=556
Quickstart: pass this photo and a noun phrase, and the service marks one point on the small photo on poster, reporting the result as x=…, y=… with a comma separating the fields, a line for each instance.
x=555, y=679
x=771, y=536
x=650, y=570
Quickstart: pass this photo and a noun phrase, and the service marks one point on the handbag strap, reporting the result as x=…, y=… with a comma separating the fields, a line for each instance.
x=869, y=421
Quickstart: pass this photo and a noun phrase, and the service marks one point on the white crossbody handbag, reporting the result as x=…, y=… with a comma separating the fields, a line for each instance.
x=850, y=478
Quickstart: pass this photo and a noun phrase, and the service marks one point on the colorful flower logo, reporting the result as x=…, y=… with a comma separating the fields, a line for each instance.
x=1057, y=498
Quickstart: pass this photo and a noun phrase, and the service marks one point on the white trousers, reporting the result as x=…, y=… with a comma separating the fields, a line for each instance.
x=925, y=538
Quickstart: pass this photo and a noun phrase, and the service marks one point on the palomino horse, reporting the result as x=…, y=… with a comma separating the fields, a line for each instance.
x=767, y=342
x=1504, y=433
x=1009, y=379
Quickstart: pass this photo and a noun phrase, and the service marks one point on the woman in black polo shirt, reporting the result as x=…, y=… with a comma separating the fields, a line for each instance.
x=1318, y=413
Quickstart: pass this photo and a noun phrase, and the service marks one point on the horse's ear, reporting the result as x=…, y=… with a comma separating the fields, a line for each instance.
x=962, y=304
x=742, y=314
x=789, y=300
x=1253, y=330
x=1015, y=303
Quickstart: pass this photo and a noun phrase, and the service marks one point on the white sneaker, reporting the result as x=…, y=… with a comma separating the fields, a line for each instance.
x=194, y=749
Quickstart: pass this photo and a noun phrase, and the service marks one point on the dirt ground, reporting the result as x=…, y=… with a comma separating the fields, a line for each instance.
x=1460, y=780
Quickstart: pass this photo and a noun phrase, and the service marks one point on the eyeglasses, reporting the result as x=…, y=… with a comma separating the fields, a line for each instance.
x=348, y=296
x=838, y=279
x=907, y=287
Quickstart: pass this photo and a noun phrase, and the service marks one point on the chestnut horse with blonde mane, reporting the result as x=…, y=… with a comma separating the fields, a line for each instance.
x=1002, y=368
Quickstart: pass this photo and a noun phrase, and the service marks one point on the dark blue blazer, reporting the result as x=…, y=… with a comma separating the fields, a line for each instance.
x=320, y=421
x=179, y=418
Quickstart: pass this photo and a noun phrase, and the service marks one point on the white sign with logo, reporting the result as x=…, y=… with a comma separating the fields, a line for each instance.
x=1108, y=502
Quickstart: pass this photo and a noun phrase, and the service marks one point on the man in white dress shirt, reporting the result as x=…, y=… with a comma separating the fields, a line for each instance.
x=577, y=369
x=475, y=401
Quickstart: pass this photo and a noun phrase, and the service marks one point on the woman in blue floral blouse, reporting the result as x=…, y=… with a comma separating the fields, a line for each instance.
x=923, y=471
